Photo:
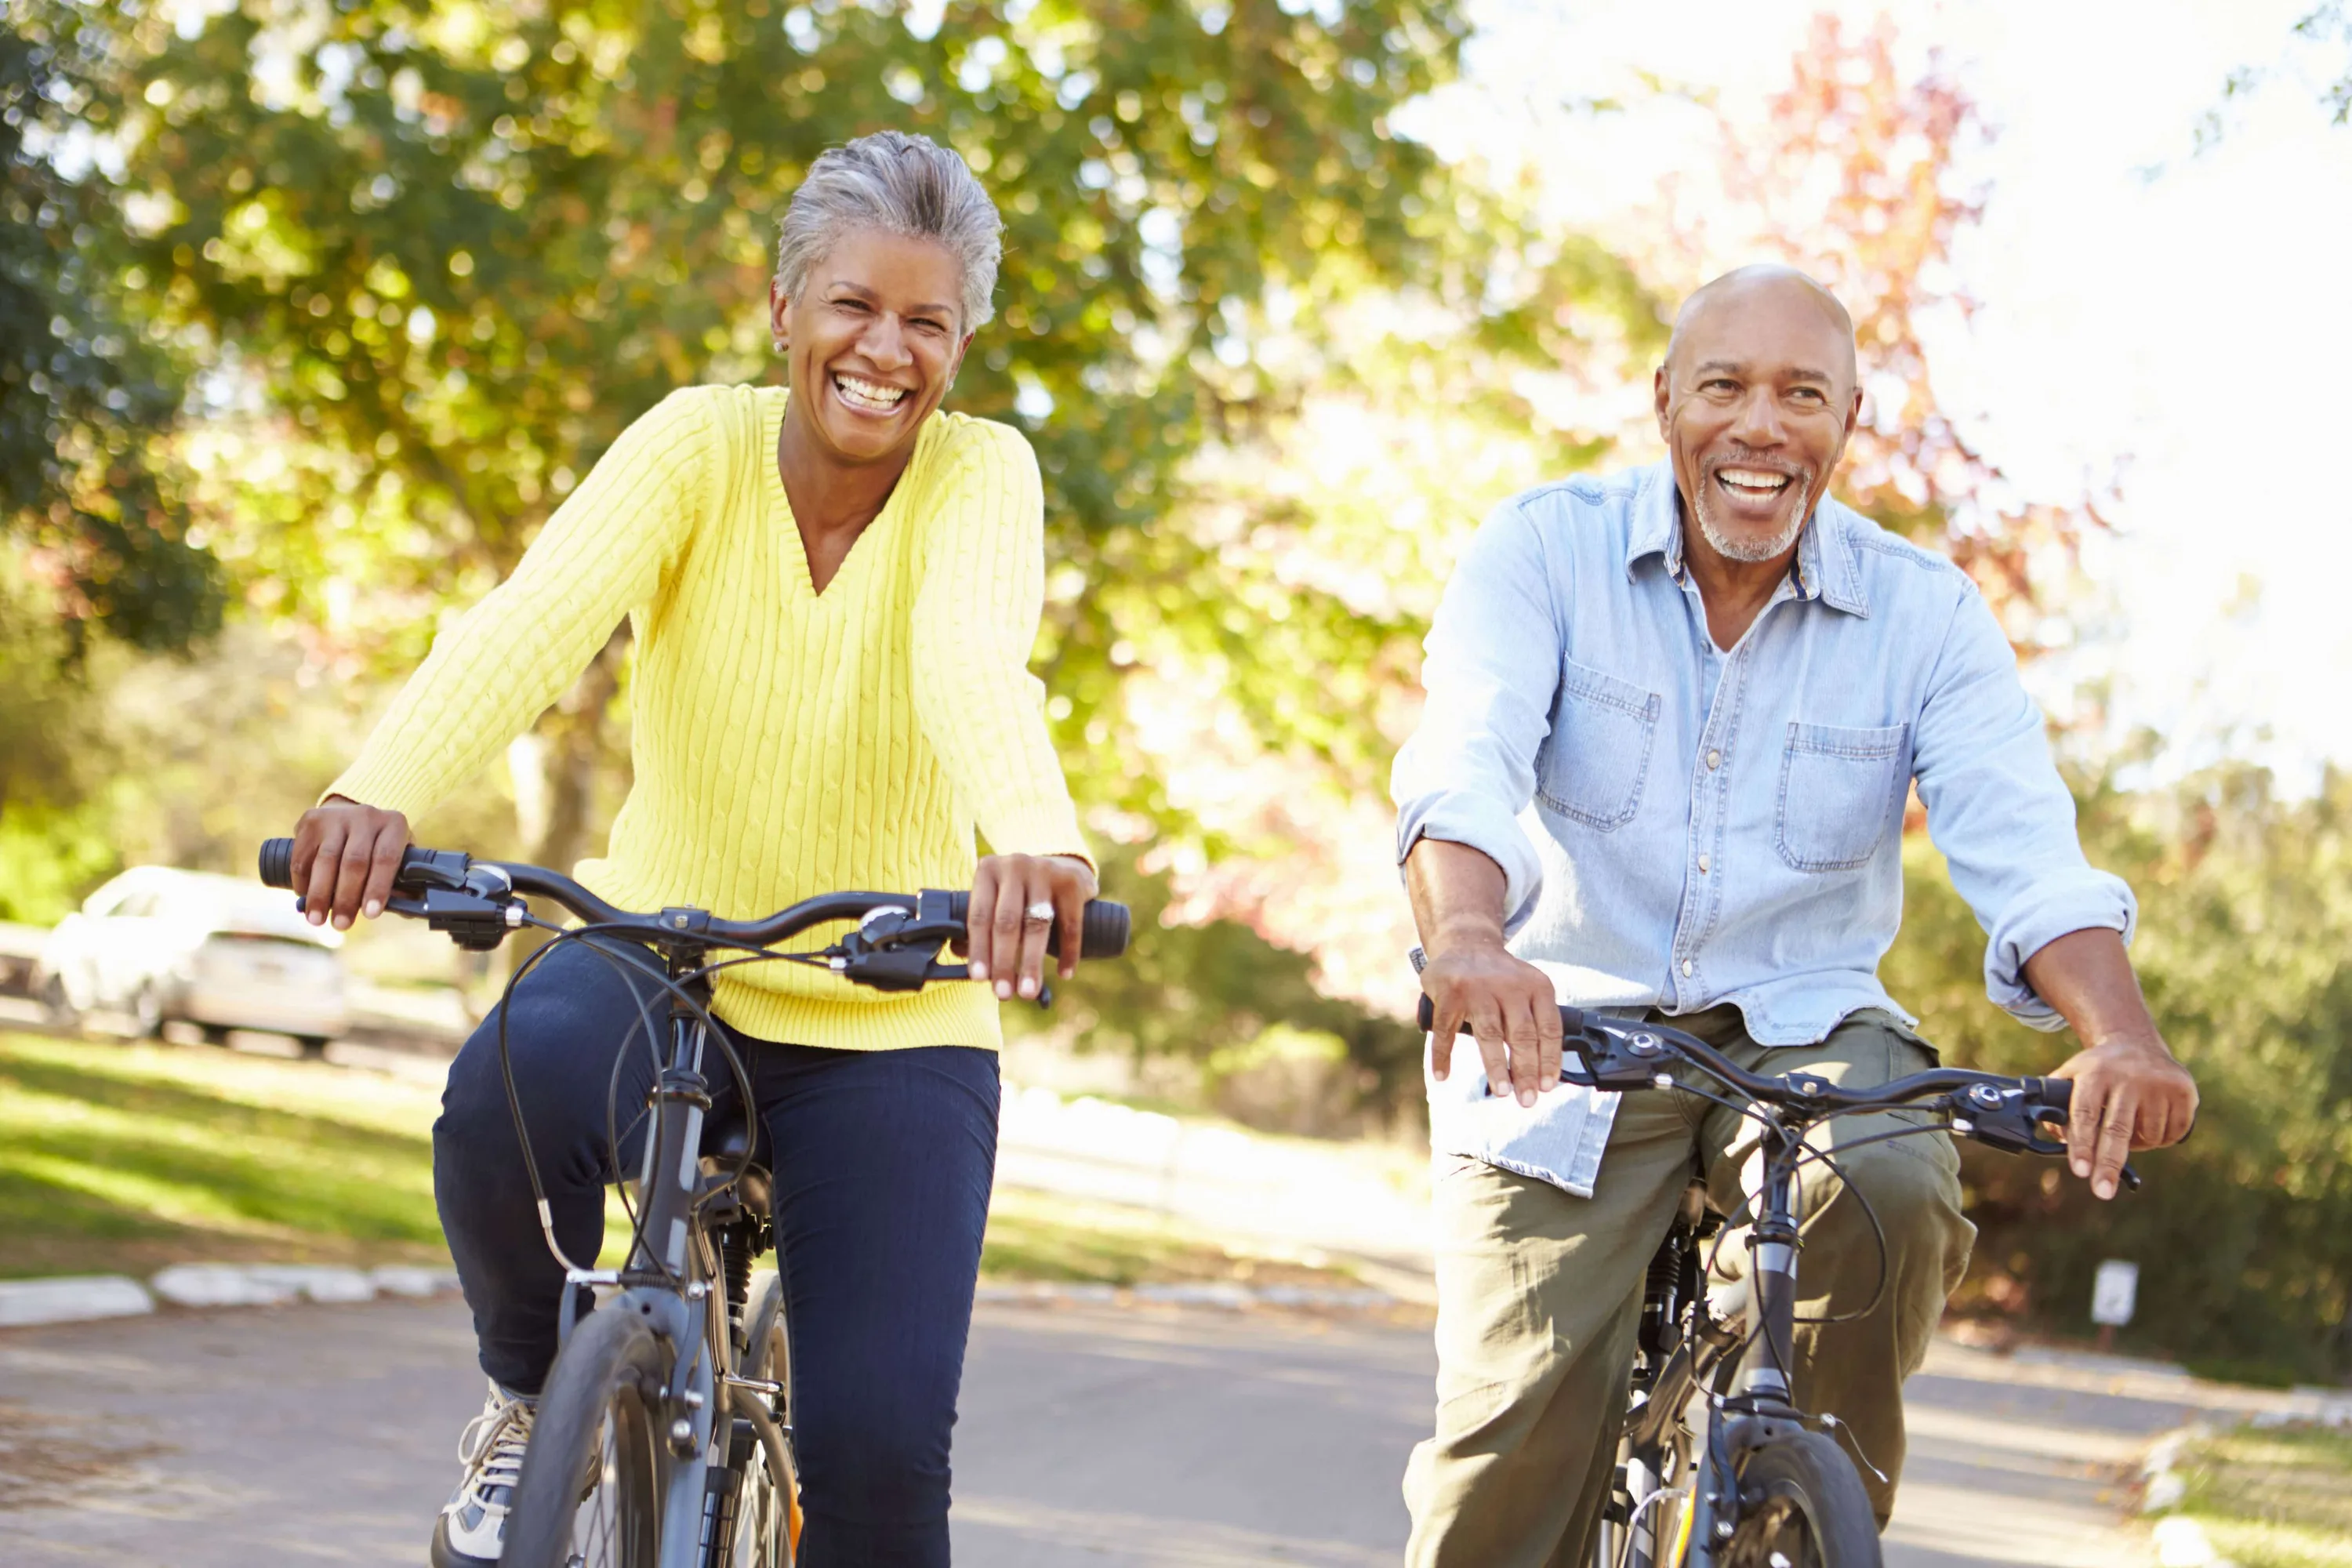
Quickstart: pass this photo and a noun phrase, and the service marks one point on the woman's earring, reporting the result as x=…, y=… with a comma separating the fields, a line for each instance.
x=780, y=345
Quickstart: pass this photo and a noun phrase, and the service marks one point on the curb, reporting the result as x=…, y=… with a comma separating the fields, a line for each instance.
x=77, y=1298
x=204, y=1287
x=86, y=1297
x=2180, y=1541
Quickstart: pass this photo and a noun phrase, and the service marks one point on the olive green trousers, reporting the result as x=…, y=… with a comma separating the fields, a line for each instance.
x=1539, y=1295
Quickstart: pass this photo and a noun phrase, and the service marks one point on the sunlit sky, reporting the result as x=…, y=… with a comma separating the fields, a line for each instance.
x=2185, y=318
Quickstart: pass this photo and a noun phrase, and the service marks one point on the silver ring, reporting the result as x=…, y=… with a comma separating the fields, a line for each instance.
x=1039, y=914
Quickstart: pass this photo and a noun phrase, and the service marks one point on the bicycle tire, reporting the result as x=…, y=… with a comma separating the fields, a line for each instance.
x=768, y=1516
x=1801, y=1501
x=597, y=1462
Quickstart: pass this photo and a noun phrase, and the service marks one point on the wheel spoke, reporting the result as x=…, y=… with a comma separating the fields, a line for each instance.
x=617, y=1522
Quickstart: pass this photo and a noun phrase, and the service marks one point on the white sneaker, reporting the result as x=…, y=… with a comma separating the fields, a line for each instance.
x=473, y=1524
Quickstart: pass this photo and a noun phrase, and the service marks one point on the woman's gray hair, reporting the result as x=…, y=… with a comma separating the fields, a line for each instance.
x=902, y=185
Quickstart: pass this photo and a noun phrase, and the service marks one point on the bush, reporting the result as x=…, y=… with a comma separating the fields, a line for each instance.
x=2243, y=1235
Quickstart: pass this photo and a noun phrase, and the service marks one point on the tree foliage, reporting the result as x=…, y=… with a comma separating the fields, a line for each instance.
x=1858, y=177
x=2244, y=1234
x=81, y=393
x=1218, y=998
x=2319, y=49
x=460, y=248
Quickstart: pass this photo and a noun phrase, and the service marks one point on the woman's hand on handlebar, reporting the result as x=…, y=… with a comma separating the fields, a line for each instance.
x=1007, y=946
x=345, y=857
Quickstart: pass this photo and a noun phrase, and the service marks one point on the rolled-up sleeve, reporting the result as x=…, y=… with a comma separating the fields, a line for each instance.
x=2002, y=816
x=1492, y=668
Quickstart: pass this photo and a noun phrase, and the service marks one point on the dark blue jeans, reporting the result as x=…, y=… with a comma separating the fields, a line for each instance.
x=883, y=1161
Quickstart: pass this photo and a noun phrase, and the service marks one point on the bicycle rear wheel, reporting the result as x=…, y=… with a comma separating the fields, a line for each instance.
x=591, y=1489
x=1802, y=1506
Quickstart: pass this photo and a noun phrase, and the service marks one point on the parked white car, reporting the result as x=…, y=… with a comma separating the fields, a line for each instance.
x=158, y=945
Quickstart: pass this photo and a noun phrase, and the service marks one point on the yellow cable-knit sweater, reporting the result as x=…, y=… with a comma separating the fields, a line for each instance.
x=786, y=742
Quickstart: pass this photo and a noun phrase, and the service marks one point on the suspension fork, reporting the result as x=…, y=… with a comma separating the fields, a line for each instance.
x=1765, y=1373
x=668, y=1176
x=669, y=1183
x=1764, y=1380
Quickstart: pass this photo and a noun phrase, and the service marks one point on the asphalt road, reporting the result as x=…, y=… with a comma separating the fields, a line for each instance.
x=1091, y=1435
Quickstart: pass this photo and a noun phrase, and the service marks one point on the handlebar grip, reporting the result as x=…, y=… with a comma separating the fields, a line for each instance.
x=2055, y=1093
x=1102, y=928
x=277, y=863
x=1571, y=1020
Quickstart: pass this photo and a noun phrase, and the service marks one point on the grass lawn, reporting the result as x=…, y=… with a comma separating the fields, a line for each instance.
x=123, y=1158
x=2273, y=1498
x=120, y=1158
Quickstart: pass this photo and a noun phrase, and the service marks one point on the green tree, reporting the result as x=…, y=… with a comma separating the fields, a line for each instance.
x=82, y=396
x=456, y=250
x=2244, y=1234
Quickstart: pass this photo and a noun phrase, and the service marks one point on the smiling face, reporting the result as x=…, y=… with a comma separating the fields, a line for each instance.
x=1756, y=400
x=874, y=340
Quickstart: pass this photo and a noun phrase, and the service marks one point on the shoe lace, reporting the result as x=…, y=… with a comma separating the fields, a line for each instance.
x=492, y=1446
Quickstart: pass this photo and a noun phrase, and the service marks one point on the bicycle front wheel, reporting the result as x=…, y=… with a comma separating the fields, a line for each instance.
x=591, y=1487
x=768, y=1514
x=1802, y=1506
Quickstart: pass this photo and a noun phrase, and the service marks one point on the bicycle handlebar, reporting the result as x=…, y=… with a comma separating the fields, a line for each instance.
x=1615, y=1054
x=1102, y=928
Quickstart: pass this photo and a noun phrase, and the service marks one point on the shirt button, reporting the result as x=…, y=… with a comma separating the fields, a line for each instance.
x=1687, y=968
x=1714, y=760
x=1702, y=864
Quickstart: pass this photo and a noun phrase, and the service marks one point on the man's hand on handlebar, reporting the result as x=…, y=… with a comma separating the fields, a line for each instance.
x=1476, y=988
x=345, y=857
x=1007, y=946
x=2130, y=1094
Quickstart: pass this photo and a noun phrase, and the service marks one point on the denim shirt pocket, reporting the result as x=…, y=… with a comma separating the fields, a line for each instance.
x=1592, y=764
x=1838, y=791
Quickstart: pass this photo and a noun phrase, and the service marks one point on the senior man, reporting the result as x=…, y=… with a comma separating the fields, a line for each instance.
x=1674, y=716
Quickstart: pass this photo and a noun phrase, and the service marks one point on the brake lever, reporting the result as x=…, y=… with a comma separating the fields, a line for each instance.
x=1613, y=1056
x=2004, y=1119
x=889, y=944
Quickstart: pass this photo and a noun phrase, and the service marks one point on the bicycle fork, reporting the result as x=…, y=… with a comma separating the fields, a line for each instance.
x=1762, y=1403
x=666, y=1282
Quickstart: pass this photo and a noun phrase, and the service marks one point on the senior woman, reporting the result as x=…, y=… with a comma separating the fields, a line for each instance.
x=835, y=589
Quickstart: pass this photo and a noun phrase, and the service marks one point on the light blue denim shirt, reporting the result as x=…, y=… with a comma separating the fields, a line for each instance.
x=1681, y=826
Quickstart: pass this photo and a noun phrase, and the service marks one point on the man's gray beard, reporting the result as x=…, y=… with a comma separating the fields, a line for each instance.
x=1732, y=549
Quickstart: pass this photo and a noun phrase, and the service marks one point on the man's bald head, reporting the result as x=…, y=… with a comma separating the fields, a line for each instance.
x=1752, y=283
x=1754, y=403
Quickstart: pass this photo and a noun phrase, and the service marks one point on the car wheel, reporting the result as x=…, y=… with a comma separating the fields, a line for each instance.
x=147, y=1010
x=57, y=1001
x=314, y=1046
x=214, y=1034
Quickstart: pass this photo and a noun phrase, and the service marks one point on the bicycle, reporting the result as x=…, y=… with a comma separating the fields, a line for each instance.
x=662, y=1437
x=1766, y=1485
